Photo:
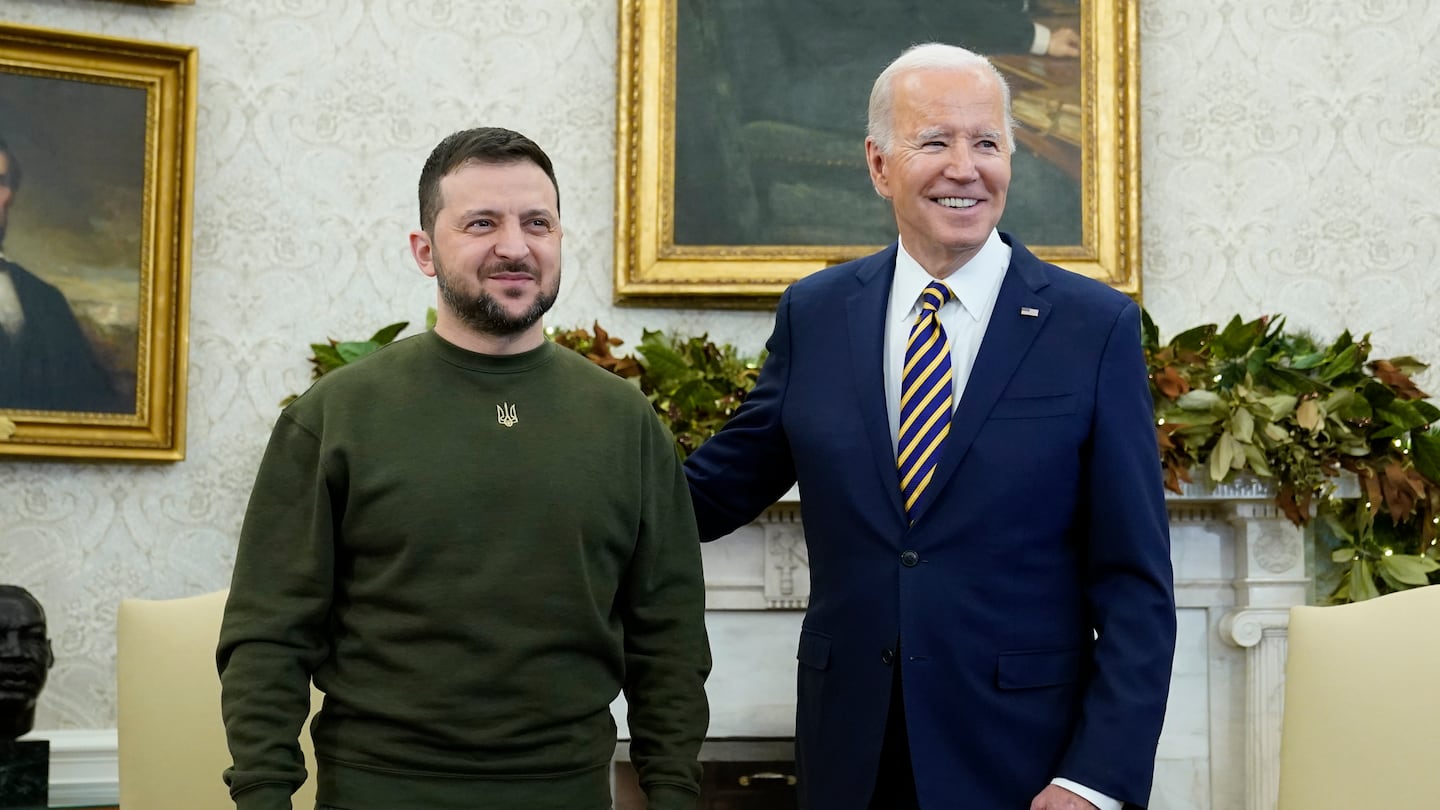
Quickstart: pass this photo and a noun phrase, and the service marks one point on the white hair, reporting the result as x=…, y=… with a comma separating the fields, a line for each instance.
x=927, y=56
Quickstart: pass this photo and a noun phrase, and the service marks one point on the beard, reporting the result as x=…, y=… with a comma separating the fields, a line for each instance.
x=484, y=313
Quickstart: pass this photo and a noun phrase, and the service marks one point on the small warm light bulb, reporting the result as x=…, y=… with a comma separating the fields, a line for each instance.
x=1388, y=552
x=1160, y=421
x=1217, y=378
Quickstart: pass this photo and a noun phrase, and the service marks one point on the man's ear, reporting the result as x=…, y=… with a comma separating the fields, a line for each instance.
x=422, y=250
x=879, y=175
x=49, y=654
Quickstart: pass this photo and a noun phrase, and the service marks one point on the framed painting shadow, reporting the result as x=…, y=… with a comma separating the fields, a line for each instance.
x=741, y=128
x=96, y=174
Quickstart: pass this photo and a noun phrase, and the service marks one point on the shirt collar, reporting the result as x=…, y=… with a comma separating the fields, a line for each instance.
x=973, y=283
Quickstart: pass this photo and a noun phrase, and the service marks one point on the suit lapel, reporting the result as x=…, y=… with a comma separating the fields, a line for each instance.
x=865, y=319
x=1008, y=336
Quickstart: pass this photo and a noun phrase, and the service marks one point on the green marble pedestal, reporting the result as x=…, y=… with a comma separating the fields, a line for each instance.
x=24, y=774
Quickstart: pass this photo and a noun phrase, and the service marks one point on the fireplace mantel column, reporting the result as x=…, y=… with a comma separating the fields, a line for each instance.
x=1270, y=578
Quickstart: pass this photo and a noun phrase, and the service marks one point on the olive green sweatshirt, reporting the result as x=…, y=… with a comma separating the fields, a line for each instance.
x=471, y=556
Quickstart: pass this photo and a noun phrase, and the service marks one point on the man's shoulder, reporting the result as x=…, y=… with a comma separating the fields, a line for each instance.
x=362, y=379
x=26, y=282
x=584, y=374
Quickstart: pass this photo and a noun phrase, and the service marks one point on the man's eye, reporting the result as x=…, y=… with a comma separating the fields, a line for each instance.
x=478, y=223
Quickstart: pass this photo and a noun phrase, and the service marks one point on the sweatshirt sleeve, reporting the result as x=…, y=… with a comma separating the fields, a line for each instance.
x=272, y=636
x=667, y=652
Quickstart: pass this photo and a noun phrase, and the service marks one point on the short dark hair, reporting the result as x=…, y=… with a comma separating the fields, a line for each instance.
x=478, y=145
x=13, y=171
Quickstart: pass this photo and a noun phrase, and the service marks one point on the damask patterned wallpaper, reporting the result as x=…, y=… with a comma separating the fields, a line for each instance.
x=1290, y=150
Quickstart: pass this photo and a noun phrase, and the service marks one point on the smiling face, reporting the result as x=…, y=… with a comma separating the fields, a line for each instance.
x=948, y=167
x=494, y=250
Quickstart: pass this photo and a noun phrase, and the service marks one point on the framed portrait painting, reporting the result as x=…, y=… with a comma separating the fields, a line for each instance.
x=96, y=166
x=741, y=128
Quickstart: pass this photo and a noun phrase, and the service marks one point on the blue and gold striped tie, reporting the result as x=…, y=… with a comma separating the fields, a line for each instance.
x=924, y=397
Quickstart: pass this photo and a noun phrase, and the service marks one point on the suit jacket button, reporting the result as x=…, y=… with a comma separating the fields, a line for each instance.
x=887, y=656
x=909, y=559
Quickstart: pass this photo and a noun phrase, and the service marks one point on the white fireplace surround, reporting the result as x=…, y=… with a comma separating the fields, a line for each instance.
x=1239, y=566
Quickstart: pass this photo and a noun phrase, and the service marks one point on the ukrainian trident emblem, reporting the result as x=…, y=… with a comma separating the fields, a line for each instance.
x=505, y=413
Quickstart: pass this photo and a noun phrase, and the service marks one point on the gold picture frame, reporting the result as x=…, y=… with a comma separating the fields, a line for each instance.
x=97, y=240
x=679, y=86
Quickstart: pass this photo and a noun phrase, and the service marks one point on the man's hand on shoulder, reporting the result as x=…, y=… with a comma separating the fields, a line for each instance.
x=1054, y=797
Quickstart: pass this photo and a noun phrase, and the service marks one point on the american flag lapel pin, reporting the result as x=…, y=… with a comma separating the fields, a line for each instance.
x=1030, y=312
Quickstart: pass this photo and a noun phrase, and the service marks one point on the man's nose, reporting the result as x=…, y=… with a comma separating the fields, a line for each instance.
x=961, y=165
x=510, y=242
x=9, y=643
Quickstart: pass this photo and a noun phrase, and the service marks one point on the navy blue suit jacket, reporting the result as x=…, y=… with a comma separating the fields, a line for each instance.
x=1036, y=616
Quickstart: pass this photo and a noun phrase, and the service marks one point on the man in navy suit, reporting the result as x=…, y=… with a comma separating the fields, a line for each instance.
x=1004, y=638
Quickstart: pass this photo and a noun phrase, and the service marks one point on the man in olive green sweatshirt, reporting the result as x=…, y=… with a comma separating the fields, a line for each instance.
x=471, y=541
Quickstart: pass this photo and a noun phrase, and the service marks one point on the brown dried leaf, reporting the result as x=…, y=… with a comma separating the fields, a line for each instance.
x=1388, y=373
x=1403, y=490
x=1286, y=499
x=1162, y=437
x=1370, y=482
x=600, y=355
x=1172, y=480
x=1170, y=383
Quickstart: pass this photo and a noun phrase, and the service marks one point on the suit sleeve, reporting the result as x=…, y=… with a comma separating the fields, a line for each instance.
x=1129, y=584
x=747, y=466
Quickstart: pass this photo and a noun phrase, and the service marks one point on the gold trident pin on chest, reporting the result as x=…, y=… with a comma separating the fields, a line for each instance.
x=505, y=414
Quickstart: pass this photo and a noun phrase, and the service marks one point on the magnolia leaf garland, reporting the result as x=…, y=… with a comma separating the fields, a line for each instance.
x=1251, y=398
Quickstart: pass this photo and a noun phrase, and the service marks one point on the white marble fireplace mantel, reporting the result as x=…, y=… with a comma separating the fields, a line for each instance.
x=1239, y=566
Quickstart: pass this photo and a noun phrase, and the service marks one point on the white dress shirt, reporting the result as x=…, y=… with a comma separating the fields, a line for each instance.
x=976, y=285
x=12, y=317
x=964, y=317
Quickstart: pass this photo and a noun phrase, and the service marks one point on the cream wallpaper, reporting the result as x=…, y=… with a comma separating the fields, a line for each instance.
x=1290, y=153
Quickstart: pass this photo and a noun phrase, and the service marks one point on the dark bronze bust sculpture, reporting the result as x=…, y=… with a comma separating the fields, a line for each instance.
x=25, y=659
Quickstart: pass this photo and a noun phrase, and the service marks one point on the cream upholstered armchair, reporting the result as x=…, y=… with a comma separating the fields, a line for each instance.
x=1356, y=733
x=171, y=739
